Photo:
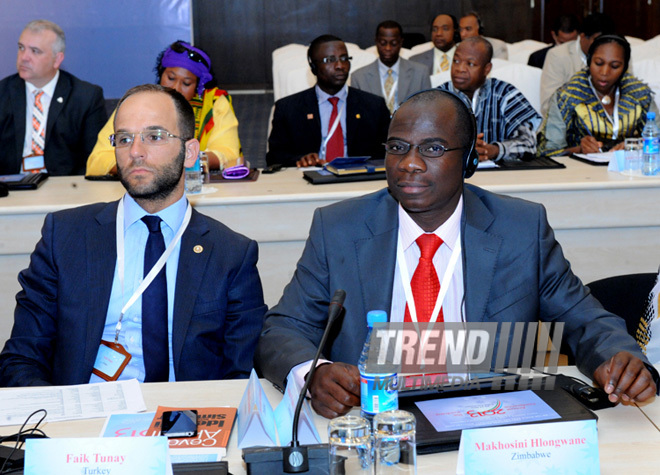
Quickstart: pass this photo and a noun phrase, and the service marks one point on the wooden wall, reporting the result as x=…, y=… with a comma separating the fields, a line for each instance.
x=240, y=35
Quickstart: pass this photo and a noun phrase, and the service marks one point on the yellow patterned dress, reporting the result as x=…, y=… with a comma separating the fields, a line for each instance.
x=576, y=112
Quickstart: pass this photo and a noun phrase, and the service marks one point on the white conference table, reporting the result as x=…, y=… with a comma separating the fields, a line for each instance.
x=607, y=223
x=628, y=440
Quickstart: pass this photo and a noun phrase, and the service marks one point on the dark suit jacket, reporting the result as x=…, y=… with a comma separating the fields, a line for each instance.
x=75, y=117
x=537, y=58
x=514, y=271
x=61, y=309
x=297, y=126
x=413, y=77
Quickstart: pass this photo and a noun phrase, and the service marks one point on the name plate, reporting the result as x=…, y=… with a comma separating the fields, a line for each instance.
x=556, y=447
x=119, y=456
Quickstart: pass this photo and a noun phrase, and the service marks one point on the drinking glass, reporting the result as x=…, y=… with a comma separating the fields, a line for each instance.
x=395, y=449
x=633, y=156
x=193, y=181
x=350, y=446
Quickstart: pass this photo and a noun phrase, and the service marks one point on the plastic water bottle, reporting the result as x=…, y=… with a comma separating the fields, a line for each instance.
x=378, y=392
x=651, y=147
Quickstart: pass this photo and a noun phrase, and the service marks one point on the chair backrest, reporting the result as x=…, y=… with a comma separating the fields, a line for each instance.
x=622, y=295
x=526, y=79
x=519, y=52
x=625, y=296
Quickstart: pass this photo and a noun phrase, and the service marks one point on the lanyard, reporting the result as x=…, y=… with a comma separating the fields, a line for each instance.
x=446, y=280
x=119, y=228
x=615, y=120
x=335, y=124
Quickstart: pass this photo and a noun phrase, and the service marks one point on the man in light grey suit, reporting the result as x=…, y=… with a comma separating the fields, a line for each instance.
x=444, y=36
x=563, y=61
x=510, y=269
x=406, y=77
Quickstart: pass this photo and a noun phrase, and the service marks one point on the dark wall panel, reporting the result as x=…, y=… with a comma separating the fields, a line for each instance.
x=240, y=35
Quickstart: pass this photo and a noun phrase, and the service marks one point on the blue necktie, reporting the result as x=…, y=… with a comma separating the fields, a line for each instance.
x=155, y=347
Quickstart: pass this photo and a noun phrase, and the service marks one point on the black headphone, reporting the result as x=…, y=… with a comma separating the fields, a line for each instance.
x=312, y=66
x=470, y=154
x=480, y=30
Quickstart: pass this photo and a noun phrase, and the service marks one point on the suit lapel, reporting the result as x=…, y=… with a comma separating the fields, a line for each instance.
x=353, y=119
x=312, y=119
x=101, y=246
x=60, y=96
x=405, y=80
x=376, y=256
x=18, y=105
x=480, y=251
x=190, y=272
x=373, y=78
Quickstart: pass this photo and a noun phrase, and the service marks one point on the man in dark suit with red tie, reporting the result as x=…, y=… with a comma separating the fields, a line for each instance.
x=496, y=258
x=329, y=120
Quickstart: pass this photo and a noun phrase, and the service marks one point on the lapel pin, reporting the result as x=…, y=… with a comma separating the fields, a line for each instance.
x=357, y=116
x=310, y=116
x=198, y=249
x=60, y=100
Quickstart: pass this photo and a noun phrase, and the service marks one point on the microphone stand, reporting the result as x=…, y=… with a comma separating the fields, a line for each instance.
x=294, y=457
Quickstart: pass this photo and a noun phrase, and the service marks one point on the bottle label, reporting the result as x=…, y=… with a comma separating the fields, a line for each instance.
x=651, y=145
x=378, y=392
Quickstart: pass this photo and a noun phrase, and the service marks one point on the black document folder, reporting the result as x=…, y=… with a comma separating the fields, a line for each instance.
x=430, y=441
x=24, y=181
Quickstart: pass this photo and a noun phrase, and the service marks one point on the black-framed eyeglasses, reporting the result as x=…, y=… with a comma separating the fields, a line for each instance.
x=344, y=58
x=192, y=54
x=149, y=137
x=427, y=149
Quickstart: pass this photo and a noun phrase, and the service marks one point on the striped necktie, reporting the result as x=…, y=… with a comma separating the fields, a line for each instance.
x=389, y=97
x=444, y=64
x=38, y=129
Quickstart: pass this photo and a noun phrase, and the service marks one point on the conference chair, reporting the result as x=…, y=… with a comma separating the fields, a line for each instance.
x=519, y=51
x=622, y=295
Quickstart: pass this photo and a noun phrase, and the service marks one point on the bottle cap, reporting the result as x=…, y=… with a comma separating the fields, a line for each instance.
x=650, y=115
x=376, y=316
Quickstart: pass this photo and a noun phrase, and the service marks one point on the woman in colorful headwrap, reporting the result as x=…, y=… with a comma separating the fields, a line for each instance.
x=188, y=70
x=600, y=106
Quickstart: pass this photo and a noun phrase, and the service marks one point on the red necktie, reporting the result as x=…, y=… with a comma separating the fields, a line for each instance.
x=424, y=283
x=335, y=146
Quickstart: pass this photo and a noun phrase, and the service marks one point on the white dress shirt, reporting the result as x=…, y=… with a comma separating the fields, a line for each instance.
x=325, y=110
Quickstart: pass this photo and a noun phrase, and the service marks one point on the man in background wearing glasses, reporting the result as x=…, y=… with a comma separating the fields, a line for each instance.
x=329, y=120
x=496, y=257
x=142, y=288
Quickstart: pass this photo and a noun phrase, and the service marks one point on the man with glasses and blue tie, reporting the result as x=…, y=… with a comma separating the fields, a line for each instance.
x=329, y=120
x=144, y=287
x=494, y=257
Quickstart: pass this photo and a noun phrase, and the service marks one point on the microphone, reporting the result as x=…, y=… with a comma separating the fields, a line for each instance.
x=295, y=457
